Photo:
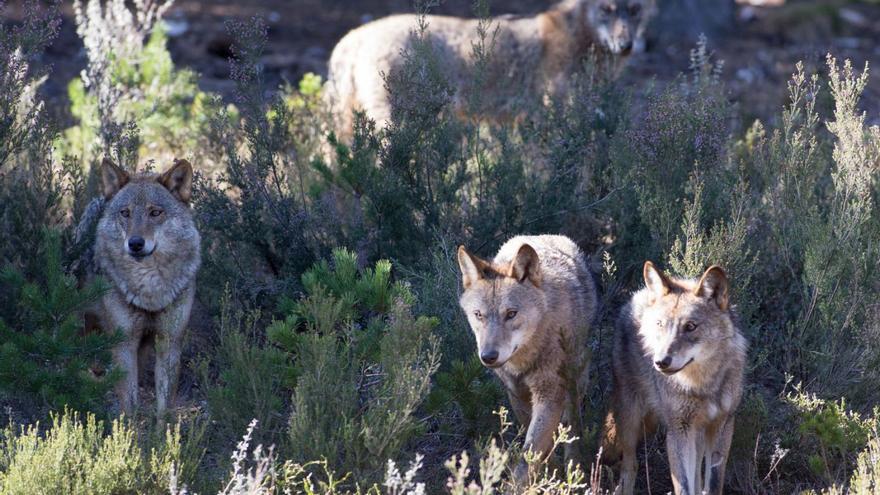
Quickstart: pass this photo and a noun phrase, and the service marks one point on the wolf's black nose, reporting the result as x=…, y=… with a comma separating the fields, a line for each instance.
x=489, y=357
x=626, y=47
x=136, y=244
x=662, y=365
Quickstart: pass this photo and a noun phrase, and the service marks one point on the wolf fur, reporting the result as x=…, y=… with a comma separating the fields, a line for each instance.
x=532, y=55
x=678, y=361
x=531, y=309
x=147, y=247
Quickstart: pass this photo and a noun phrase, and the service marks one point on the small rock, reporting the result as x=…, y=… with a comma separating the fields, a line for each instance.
x=748, y=13
x=848, y=42
x=853, y=17
x=746, y=75
x=279, y=60
x=762, y=3
x=175, y=27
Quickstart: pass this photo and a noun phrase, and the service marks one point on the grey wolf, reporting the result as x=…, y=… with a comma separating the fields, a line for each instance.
x=533, y=56
x=148, y=249
x=531, y=309
x=678, y=360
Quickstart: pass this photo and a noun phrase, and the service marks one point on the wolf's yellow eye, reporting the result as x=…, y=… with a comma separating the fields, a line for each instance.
x=155, y=213
x=511, y=314
x=659, y=323
x=690, y=327
x=125, y=212
x=607, y=8
x=478, y=315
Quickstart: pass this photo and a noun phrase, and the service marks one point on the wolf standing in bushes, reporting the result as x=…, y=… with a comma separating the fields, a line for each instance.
x=531, y=309
x=678, y=360
x=147, y=247
x=532, y=55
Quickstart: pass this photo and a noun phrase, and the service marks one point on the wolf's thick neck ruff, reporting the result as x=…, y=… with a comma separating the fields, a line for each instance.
x=154, y=283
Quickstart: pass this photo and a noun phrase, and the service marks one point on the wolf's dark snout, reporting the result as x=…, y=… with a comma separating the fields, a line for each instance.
x=663, y=364
x=489, y=357
x=136, y=244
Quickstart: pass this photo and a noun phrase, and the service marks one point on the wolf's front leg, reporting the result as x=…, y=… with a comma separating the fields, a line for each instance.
x=717, y=452
x=546, y=416
x=681, y=446
x=125, y=356
x=169, y=345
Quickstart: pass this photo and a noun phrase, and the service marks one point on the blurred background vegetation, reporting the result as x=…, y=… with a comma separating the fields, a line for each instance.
x=327, y=324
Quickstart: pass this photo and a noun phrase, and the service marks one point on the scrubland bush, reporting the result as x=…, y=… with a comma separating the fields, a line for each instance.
x=363, y=364
x=336, y=359
x=78, y=455
x=131, y=80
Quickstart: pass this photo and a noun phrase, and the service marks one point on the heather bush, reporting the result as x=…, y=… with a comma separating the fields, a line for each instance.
x=79, y=455
x=36, y=188
x=254, y=215
x=130, y=79
x=243, y=378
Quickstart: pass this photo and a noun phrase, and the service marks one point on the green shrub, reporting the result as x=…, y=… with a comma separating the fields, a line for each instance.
x=131, y=79
x=77, y=455
x=45, y=355
x=250, y=377
x=831, y=432
x=363, y=364
x=257, y=228
x=35, y=188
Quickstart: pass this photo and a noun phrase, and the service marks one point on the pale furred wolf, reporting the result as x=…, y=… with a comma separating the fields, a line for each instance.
x=531, y=309
x=678, y=361
x=147, y=248
x=532, y=55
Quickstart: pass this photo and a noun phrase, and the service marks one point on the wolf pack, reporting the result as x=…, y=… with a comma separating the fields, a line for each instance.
x=678, y=355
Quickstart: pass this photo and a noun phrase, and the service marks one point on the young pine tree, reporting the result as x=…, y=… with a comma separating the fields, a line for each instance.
x=45, y=355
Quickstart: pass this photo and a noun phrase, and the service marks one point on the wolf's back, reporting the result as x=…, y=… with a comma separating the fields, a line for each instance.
x=84, y=236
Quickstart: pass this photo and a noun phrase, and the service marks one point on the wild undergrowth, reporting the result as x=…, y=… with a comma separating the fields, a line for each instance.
x=333, y=336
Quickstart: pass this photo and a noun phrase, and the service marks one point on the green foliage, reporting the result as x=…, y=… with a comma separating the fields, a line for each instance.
x=22, y=119
x=363, y=365
x=44, y=353
x=467, y=386
x=831, y=431
x=256, y=224
x=662, y=173
x=131, y=79
x=75, y=455
x=250, y=375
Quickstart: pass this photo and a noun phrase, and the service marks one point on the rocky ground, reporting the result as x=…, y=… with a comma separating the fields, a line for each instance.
x=759, y=45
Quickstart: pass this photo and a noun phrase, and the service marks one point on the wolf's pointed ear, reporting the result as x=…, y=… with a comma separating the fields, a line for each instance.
x=178, y=180
x=713, y=285
x=471, y=267
x=655, y=280
x=526, y=265
x=113, y=177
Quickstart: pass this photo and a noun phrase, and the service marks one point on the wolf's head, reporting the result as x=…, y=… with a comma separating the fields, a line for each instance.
x=504, y=304
x=620, y=24
x=684, y=321
x=146, y=213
